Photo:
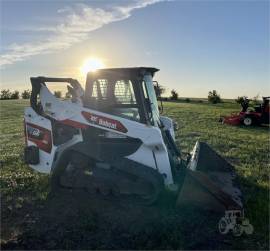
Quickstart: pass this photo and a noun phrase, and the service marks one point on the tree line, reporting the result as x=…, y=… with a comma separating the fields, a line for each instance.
x=7, y=94
x=213, y=96
x=26, y=94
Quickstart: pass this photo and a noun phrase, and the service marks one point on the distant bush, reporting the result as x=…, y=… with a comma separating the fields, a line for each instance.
x=214, y=97
x=159, y=90
x=240, y=99
x=26, y=94
x=200, y=101
x=187, y=100
x=174, y=95
x=5, y=94
x=58, y=94
x=255, y=100
x=67, y=95
x=15, y=95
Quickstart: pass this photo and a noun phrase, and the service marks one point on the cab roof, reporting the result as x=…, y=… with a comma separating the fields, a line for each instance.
x=124, y=71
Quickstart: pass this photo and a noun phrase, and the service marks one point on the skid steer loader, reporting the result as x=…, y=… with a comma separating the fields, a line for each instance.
x=111, y=140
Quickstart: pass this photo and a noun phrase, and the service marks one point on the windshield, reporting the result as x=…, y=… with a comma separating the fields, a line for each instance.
x=152, y=97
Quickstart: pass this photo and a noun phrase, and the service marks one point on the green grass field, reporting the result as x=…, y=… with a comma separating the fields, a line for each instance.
x=24, y=192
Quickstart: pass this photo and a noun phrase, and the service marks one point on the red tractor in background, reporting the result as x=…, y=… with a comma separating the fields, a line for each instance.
x=248, y=116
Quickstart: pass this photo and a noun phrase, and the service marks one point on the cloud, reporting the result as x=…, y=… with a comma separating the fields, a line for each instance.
x=78, y=23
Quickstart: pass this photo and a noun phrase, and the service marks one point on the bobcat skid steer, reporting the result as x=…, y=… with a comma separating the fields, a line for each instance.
x=111, y=140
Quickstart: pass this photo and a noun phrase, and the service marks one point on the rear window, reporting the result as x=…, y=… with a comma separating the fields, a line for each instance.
x=100, y=89
x=116, y=97
x=121, y=91
x=124, y=92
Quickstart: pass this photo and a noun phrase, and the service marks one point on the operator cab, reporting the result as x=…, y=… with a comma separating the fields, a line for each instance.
x=127, y=92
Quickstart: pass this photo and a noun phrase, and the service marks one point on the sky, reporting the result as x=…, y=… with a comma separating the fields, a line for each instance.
x=197, y=45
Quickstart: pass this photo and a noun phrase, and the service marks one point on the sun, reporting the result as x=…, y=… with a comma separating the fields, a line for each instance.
x=91, y=64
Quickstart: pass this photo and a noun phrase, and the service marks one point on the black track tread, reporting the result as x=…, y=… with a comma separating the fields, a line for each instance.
x=144, y=172
x=122, y=164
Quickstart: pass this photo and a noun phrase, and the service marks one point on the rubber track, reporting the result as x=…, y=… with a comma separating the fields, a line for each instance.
x=122, y=164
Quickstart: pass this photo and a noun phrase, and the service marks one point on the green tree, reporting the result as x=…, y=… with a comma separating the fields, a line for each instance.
x=214, y=97
x=58, y=94
x=240, y=99
x=26, y=94
x=5, y=94
x=159, y=90
x=174, y=95
x=67, y=95
x=15, y=95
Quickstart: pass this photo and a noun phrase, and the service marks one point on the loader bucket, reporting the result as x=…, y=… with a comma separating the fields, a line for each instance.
x=209, y=182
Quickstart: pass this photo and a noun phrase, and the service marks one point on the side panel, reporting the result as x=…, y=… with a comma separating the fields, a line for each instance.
x=38, y=132
x=168, y=123
x=152, y=153
x=156, y=157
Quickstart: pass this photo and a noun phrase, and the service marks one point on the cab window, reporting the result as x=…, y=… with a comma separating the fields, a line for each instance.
x=115, y=97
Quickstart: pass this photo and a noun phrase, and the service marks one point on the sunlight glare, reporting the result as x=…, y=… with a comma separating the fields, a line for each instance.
x=91, y=64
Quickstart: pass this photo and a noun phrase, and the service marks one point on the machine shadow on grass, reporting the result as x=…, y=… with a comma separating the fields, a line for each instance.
x=254, y=128
x=71, y=219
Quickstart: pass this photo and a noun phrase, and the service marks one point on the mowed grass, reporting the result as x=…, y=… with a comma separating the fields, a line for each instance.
x=15, y=175
x=246, y=148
